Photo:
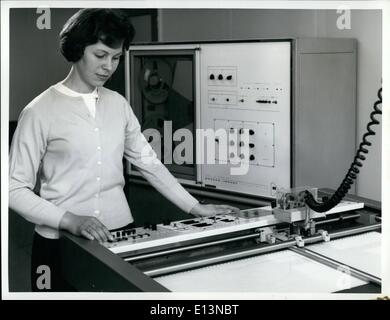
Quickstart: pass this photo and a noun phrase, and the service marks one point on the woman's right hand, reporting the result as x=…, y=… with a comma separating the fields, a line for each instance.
x=86, y=226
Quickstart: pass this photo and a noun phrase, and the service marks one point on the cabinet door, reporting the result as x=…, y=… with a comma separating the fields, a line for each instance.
x=325, y=118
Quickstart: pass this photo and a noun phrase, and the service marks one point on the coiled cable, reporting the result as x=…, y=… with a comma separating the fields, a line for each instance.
x=354, y=168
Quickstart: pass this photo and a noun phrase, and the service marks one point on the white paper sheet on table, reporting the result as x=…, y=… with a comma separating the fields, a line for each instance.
x=282, y=272
x=362, y=251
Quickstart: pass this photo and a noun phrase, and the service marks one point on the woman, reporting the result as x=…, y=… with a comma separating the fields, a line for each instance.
x=71, y=140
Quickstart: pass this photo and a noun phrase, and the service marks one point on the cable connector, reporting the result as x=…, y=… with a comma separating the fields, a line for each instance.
x=299, y=241
x=325, y=235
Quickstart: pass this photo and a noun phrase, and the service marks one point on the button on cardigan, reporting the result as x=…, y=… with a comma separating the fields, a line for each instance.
x=77, y=160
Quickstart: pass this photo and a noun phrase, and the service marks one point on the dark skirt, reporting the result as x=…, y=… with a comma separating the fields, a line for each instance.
x=46, y=265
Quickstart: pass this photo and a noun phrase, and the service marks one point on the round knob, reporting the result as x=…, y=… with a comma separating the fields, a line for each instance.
x=241, y=131
x=154, y=80
x=232, y=155
x=242, y=156
x=227, y=99
x=252, y=157
x=241, y=100
x=231, y=142
x=229, y=77
x=251, y=145
x=220, y=77
x=242, y=143
x=212, y=77
x=251, y=132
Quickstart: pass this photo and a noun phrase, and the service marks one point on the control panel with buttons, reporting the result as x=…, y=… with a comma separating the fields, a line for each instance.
x=172, y=232
x=249, y=99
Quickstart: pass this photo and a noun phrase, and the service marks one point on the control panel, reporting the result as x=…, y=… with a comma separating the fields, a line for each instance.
x=172, y=232
x=245, y=93
x=263, y=220
x=235, y=100
x=253, y=118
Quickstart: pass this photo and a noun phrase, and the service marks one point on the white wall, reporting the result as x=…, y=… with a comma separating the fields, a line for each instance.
x=35, y=60
x=218, y=24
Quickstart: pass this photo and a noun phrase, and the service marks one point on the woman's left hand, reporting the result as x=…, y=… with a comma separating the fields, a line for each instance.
x=205, y=210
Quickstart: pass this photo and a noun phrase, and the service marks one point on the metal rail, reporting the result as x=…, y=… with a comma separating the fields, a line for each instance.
x=336, y=265
x=219, y=259
x=252, y=252
x=354, y=216
x=191, y=247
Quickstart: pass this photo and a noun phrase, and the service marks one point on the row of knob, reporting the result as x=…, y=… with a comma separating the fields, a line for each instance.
x=266, y=101
x=129, y=234
x=242, y=156
x=220, y=77
x=241, y=144
x=241, y=131
x=242, y=100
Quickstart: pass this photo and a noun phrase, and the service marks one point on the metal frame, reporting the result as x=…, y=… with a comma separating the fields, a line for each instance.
x=110, y=273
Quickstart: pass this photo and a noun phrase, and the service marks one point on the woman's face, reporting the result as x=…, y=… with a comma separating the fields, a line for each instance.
x=97, y=64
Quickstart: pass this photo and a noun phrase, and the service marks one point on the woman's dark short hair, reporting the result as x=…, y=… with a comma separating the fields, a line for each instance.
x=88, y=26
